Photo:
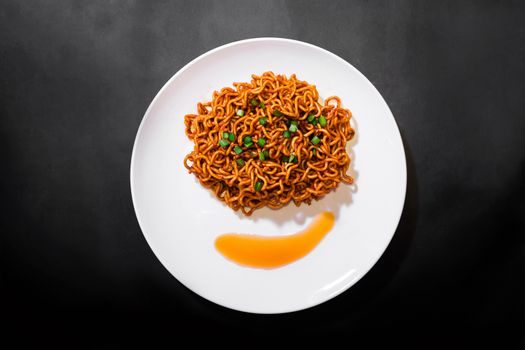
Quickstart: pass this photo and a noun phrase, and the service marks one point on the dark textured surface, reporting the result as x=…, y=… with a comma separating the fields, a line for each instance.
x=76, y=78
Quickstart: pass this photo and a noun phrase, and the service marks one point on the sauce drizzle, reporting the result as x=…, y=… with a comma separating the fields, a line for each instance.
x=271, y=252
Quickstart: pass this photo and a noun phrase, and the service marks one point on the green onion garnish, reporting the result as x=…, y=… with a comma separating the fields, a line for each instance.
x=294, y=122
x=261, y=156
x=316, y=120
x=315, y=140
x=261, y=142
x=292, y=128
x=291, y=158
x=249, y=144
x=310, y=118
x=225, y=135
x=314, y=152
x=262, y=105
x=247, y=139
x=237, y=149
x=231, y=137
x=286, y=134
x=266, y=154
x=240, y=162
x=253, y=102
x=277, y=113
x=262, y=120
x=224, y=143
x=284, y=159
x=258, y=186
x=240, y=112
x=322, y=121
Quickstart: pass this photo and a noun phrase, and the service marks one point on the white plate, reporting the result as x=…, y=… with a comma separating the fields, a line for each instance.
x=181, y=220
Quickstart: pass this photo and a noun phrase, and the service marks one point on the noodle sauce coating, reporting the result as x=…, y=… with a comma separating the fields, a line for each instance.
x=269, y=142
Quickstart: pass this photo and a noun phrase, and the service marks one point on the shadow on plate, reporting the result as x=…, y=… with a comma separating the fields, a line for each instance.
x=382, y=273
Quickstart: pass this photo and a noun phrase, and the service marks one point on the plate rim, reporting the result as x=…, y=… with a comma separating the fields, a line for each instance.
x=202, y=56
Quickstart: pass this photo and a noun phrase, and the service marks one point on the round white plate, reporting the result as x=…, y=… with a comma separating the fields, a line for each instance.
x=181, y=220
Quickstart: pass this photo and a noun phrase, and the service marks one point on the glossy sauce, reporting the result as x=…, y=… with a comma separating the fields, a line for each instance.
x=271, y=252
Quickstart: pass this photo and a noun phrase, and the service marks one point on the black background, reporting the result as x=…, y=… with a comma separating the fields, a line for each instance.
x=76, y=78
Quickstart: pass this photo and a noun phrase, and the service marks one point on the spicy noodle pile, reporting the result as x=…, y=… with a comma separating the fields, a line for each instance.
x=269, y=142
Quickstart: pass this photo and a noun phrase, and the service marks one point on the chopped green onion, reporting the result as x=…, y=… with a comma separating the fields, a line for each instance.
x=261, y=142
x=225, y=135
x=253, y=102
x=262, y=120
x=224, y=143
x=322, y=121
x=293, y=128
x=261, y=156
x=315, y=140
x=266, y=154
x=277, y=113
x=316, y=120
x=240, y=112
x=240, y=162
x=294, y=122
x=284, y=159
x=249, y=144
x=247, y=139
x=314, y=152
x=237, y=149
x=310, y=118
x=262, y=105
x=291, y=158
x=258, y=186
x=231, y=137
x=286, y=134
